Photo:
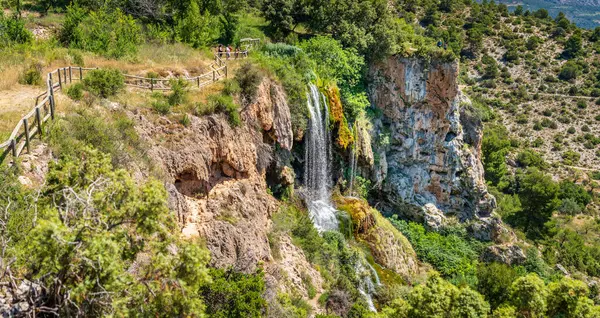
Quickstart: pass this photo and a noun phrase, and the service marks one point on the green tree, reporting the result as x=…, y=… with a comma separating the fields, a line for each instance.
x=494, y=281
x=104, y=245
x=234, y=294
x=569, y=298
x=538, y=195
x=438, y=298
x=528, y=296
x=334, y=62
x=573, y=46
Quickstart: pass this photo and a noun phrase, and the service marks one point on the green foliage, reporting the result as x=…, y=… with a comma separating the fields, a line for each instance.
x=104, y=82
x=281, y=50
x=179, y=91
x=569, y=298
x=96, y=223
x=108, y=32
x=531, y=158
x=248, y=77
x=495, y=148
x=32, y=75
x=454, y=255
x=161, y=106
x=75, y=91
x=438, y=298
x=569, y=248
x=333, y=62
x=575, y=192
x=112, y=133
x=13, y=31
x=528, y=296
x=196, y=26
x=222, y=104
x=494, y=281
x=573, y=47
x=538, y=194
x=234, y=294
x=569, y=71
x=571, y=157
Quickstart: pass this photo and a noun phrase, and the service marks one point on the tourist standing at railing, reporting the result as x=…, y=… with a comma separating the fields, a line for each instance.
x=237, y=52
x=220, y=50
x=228, y=51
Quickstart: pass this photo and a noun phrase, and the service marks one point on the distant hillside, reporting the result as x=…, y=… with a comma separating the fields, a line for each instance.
x=585, y=13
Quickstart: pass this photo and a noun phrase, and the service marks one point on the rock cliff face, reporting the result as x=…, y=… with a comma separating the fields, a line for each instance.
x=215, y=176
x=427, y=144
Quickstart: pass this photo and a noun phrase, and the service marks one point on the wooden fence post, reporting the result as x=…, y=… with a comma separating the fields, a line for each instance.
x=214, y=76
x=65, y=73
x=13, y=145
x=225, y=71
x=80, y=73
x=198, y=80
x=70, y=74
x=51, y=98
x=38, y=119
x=26, y=134
x=151, y=84
x=59, y=79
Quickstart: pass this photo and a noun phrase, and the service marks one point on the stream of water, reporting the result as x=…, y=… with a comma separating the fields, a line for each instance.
x=317, y=179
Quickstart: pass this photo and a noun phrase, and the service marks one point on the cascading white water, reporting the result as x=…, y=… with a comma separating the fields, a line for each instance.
x=317, y=164
x=317, y=178
x=353, y=162
x=365, y=285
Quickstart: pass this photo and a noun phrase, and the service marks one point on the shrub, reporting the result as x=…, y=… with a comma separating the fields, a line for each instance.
x=75, y=91
x=248, y=77
x=581, y=104
x=571, y=130
x=223, y=104
x=530, y=158
x=108, y=32
x=234, y=294
x=179, y=90
x=569, y=71
x=104, y=82
x=13, y=31
x=32, y=75
x=161, y=106
x=571, y=157
x=454, y=255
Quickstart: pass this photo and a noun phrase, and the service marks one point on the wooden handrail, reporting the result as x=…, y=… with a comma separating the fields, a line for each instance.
x=44, y=109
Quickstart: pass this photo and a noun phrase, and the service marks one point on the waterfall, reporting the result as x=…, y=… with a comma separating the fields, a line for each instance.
x=353, y=162
x=365, y=284
x=317, y=163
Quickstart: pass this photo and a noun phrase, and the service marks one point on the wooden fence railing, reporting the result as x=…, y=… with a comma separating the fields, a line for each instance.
x=32, y=124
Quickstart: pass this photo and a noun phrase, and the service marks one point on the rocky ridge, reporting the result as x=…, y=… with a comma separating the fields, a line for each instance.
x=432, y=155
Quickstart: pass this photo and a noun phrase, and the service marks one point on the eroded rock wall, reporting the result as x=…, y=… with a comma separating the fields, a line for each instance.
x=430, y=152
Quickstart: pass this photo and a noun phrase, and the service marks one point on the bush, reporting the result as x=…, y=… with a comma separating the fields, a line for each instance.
x=13, y=31
x=569, y=71
x=222, y=104
x=75, y=91
x=161, y=106
x=530, y=158
x=454, y=255
x=104, y=82
x=179, y=90
x=248, y=77
x=108, y=32
x=234, y=294
x=32, y=75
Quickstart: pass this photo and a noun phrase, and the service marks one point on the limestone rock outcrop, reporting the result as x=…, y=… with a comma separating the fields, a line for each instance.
x=271, y=112
x=215, y=186
x=432, y=155
x=389, y=247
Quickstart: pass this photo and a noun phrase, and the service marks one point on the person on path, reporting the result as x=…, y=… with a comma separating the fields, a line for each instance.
x=220, y=50
x=237, y=52
x=228, y=51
